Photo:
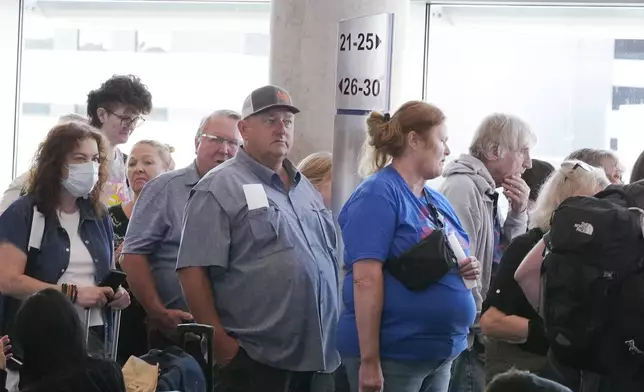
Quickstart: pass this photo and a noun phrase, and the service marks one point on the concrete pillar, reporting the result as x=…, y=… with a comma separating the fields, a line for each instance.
x=303, y=60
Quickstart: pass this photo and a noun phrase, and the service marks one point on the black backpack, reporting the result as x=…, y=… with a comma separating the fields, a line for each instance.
x=593, y=282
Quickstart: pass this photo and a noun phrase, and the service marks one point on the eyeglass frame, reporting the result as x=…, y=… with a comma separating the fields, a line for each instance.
x=221, y=140
x=583, y=165
x=127, y=121
x=580, y=164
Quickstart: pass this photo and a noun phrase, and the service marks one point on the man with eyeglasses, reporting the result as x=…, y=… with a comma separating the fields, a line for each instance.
x=151, y=244
x=258, y=260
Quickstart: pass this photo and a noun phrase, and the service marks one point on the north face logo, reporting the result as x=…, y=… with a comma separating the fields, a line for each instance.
x=633, y=348
x=584, y=227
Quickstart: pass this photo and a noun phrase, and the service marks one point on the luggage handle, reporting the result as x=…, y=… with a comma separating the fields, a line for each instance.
x=114, y=341
x=209, y=332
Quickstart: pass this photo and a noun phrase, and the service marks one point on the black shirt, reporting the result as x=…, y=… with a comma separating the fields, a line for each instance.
x=119, y=224
x=506, y=295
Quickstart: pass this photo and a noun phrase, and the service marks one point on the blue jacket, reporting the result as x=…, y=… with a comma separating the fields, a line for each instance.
x=51, y=262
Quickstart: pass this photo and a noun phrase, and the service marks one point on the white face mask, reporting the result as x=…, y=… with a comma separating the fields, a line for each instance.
x=81, y=178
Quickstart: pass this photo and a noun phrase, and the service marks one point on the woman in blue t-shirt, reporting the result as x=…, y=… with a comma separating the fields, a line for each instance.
x=392, y=338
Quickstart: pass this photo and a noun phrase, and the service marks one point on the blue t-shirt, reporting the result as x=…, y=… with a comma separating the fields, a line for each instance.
x=382, y=219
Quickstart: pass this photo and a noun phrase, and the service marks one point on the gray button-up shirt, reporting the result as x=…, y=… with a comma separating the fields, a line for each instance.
x=155, y=229
x=273, y=268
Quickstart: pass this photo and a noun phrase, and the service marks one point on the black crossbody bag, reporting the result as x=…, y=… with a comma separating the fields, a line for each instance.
x=426, y=262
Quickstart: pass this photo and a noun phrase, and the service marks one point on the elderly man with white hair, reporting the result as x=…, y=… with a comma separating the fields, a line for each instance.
x=151, y=244
x=498, y=155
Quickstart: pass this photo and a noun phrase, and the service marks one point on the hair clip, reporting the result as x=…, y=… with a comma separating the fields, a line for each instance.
x=387, y=117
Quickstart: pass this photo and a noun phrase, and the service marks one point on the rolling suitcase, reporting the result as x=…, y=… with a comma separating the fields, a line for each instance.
x=207, y=333
x=178, y=369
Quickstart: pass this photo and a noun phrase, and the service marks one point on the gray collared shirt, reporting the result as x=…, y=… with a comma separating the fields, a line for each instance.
x=273, y=269
x=155, y=229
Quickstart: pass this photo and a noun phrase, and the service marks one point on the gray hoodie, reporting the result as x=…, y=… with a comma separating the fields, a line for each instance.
x=467, y=185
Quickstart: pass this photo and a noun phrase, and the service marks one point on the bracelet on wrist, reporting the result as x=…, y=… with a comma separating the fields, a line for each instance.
x=74, y=293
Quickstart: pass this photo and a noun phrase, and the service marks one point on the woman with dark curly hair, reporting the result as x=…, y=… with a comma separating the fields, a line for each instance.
x=63, y=202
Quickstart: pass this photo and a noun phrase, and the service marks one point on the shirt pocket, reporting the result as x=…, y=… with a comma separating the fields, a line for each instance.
x=325, y=221
x=265, y=224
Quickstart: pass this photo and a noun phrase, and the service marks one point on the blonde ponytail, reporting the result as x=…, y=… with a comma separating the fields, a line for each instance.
x=385, y=140
x=386, y=135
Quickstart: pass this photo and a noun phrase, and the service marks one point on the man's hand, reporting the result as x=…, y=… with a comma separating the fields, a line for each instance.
x=517, y=192
x=226, y=348
x=167, y=320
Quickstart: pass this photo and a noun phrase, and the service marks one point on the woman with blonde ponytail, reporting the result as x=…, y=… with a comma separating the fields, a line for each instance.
x=399, y=332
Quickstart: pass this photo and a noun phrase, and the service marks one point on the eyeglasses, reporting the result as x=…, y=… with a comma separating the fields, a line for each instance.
x=583, y=165
x=578, y=165
x=232, y=144
x=126, y=121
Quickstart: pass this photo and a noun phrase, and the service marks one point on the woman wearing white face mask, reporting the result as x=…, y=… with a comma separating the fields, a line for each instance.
x=69, y=170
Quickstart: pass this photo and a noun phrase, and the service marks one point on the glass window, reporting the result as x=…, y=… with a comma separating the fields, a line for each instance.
x=36, y=109
x=195, y=57
x=158, y=114
x=256, y=44
x=151, y=41
x=94, y=40
x=576, y=74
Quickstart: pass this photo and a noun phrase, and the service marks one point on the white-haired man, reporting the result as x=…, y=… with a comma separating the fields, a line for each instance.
x=499, y=154
x=151, y=244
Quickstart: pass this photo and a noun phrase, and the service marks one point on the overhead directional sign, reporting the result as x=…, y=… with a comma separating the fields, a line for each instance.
x=363, y=77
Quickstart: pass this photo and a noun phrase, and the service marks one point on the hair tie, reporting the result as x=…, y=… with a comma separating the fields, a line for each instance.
x=387, y=117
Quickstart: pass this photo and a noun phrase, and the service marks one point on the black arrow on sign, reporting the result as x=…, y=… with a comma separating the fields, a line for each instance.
x=378, y=41
x=340, y=86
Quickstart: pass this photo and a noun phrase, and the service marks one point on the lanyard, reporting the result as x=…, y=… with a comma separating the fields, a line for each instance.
x=436, y=218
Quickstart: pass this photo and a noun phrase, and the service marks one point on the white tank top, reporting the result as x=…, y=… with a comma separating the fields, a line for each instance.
x=80, y=270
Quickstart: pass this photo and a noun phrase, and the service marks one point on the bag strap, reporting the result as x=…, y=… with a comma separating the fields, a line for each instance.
x=433, y=211
x=37, y=230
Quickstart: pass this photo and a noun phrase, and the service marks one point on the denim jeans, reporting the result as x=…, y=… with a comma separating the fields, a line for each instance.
x=422, y=376
x=468, y=370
